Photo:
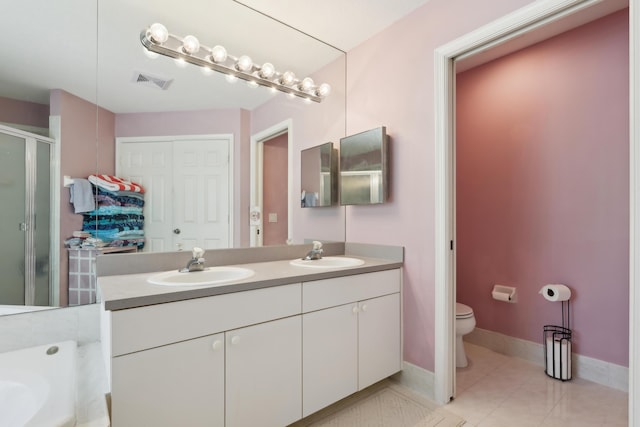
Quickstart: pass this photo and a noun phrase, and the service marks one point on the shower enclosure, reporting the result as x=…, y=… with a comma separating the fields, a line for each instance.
x=25, y=210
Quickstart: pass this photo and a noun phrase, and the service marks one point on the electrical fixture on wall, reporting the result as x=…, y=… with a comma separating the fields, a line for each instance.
x=157, y=39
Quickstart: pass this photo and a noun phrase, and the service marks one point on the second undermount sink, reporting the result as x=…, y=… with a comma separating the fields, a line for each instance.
x=327, y=262
x=209, y=276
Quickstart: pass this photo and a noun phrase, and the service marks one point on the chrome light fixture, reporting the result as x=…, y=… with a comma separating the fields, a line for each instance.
x=157, y=39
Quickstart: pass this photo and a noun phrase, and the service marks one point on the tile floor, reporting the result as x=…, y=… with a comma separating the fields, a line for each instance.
x=497, y=390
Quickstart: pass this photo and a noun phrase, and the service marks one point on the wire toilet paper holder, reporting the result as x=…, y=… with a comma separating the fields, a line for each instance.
x=557, y=346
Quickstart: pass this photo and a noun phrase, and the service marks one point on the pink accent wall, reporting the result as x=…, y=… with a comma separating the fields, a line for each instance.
x=543, y=186
x=79, y=157
x=313, y=124
x=275, y=194
x=24, y=113
x=203, y=122
x=390, y=82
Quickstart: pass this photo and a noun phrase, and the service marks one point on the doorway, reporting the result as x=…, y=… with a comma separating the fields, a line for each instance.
x=279, y=140
x=188, y=188
x=520, y=26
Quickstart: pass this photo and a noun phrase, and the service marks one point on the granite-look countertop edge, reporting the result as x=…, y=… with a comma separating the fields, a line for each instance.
x=132, y=290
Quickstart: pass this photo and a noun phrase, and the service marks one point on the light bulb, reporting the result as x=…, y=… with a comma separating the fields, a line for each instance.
x=288, y=78
x=190, y=45
x=244, y=63
x=267, y=70
x=252, y=84
x=218, y=54
x=307, y=84
x=323, y=90
x=158, y=33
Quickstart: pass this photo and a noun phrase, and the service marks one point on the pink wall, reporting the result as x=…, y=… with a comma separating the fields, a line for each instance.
x=313, y=124
x=543, y=186
x=203, y=122
x=79, y=157
x=26, y=113
x=390, y=82
x=275, y=194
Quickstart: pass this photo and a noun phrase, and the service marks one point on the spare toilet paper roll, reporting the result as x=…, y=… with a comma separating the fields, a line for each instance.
x=556, y=292
x=559, y=358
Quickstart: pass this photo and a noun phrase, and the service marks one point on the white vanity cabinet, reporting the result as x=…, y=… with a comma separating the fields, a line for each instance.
x=264, y=357
x=264, y=374
x=351, y=335
x=196, y=362
x=174, y=385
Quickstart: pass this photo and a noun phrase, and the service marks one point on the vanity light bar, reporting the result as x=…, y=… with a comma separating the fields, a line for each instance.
x=157, y=39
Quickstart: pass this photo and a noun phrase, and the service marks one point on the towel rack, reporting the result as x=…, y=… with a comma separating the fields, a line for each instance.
x=67, y=181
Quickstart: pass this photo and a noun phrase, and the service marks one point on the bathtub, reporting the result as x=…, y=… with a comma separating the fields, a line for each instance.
x=38, y=386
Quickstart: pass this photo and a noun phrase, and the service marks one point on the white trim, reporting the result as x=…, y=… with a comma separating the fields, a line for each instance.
x=416, y=379
x=588, y=368
x=255, y=195
x=533, y=16
x=634, y=214
x=226, y=136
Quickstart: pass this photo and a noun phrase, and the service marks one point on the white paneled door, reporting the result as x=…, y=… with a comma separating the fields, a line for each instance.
x=187, y=189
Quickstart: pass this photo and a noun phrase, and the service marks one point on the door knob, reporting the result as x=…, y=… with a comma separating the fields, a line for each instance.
x=176, y=231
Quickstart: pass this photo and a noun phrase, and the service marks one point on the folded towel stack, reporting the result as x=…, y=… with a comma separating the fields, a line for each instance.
x=118, y=219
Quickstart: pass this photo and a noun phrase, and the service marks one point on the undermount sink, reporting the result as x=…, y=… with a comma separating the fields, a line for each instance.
x=209, y=276
x=327, y=262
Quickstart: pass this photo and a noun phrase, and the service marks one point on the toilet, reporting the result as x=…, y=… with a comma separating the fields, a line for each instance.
x=465, y=322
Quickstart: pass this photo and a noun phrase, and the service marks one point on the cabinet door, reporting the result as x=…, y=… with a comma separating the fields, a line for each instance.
x=179, y=384
x=330, y=356
x=379, y=353
x=264, y=374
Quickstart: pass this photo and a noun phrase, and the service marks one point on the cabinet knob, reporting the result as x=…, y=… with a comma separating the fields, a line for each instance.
x=355, y=309
x=235, y=340
x=217, y=345
x=364, y=307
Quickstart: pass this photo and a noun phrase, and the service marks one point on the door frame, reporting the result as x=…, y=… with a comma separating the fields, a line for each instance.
x=516, y=24
x=168, y=138
x=256, y=178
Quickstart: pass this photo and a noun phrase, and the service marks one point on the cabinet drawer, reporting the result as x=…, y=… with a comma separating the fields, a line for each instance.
x=326, y=293
x=152, y=326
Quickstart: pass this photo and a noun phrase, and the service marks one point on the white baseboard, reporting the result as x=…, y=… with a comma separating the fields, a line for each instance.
x=588, y=368
x=417, y=379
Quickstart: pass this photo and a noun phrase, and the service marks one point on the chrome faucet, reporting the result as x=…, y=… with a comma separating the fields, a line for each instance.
x=196, y=263
x=315, y=253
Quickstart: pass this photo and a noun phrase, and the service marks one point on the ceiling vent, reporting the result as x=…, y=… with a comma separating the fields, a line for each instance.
x=151, y=80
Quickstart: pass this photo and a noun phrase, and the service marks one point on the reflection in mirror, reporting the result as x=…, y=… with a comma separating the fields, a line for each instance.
x=49, y=93
x=40, y=83
x=364, y=168
x=178, y=118
x=319, y=176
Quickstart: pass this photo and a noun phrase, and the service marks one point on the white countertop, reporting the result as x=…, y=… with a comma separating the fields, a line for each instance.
x=132, y=290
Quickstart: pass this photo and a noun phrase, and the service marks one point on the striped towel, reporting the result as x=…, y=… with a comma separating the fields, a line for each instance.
x=113, y=183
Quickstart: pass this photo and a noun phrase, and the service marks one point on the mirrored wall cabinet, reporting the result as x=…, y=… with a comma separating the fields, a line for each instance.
x=319, y=176
x=364, y=168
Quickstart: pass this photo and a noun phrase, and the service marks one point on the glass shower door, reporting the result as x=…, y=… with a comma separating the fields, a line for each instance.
x=12, y=219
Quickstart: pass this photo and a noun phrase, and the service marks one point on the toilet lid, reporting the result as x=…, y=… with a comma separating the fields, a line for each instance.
x=463, y=311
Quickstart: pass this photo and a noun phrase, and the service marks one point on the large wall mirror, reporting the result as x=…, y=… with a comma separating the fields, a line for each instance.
x=82, y=62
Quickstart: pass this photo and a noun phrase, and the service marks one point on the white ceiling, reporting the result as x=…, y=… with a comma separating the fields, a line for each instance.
x=341, y=23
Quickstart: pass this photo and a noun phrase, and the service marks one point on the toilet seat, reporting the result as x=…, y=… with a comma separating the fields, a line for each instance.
x=463, y=311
